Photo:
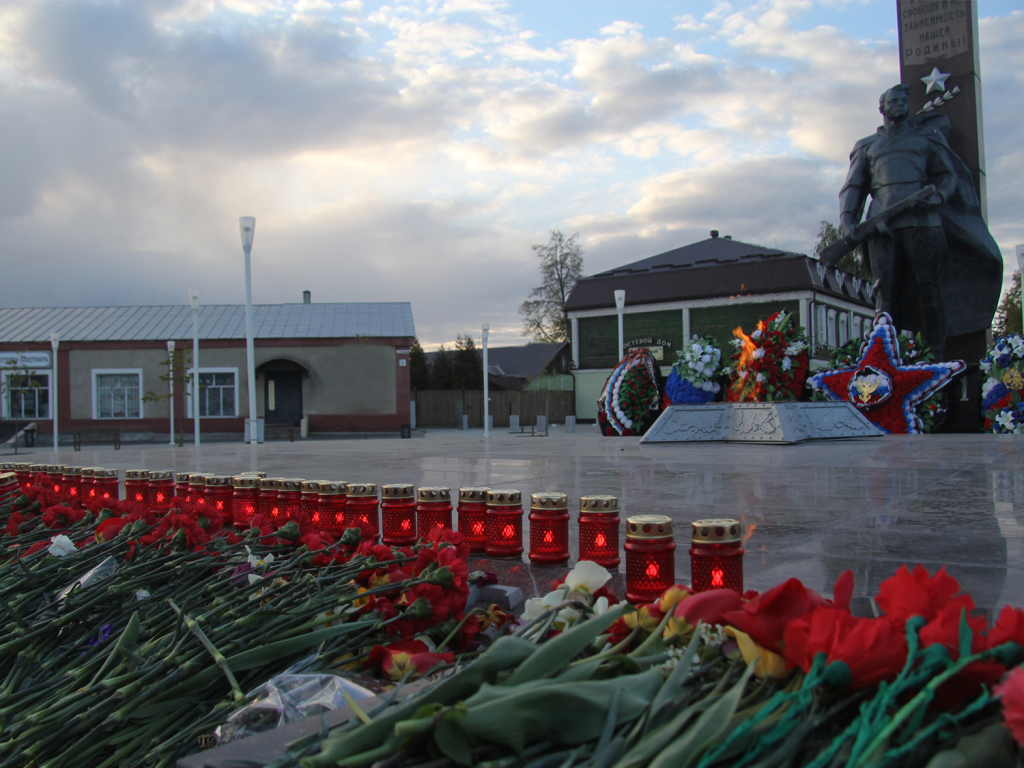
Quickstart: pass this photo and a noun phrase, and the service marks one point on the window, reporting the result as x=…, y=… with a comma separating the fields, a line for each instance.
x=26, y=394
x=822, y=334
x=218, y=392
x=117, y=394
x=831, y=327
x=844, y=336
x=857, y=326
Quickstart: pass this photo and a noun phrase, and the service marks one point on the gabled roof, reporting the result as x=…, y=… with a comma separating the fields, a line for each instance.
x=524, y=361
x=715, y=268
x=225, y=321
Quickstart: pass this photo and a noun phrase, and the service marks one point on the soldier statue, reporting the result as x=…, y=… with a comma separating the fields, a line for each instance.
x=934, y=264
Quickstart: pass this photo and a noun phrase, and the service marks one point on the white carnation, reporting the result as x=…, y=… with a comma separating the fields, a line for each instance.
x=61, y=545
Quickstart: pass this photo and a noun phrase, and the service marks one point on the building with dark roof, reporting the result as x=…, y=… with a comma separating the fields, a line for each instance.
x=528, y=366
x=707, y=288
x=332, y=367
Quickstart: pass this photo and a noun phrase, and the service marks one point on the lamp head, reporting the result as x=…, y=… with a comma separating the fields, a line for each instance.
x=170, y=347
x=193, y=298
x=247, y=226
x=54, y=340
x=620, y=299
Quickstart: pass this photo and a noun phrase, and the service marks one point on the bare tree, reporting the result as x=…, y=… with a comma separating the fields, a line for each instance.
x=854, y=262
x=561, y=266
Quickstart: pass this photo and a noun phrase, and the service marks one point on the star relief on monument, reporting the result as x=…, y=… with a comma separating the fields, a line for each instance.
x=881, y=387
x=936, y=81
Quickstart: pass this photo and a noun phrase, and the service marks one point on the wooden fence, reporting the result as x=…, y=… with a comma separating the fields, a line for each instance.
x=443, y=407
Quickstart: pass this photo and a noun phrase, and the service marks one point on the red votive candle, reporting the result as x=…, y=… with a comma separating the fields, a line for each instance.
x=599, y=530
x=136, y=486
x=398, y=514
x=473, y=517
x=716, y=555
x=433, y=509
x=197, y=488
x=309, y=501
x=650, y=557
x=161, y=489
x=331, y=507
x=181, y=485
x=56, y=474
x=219, y=489
x=549, y=528
x=106, y=483
x=362, y=507
x=10, y=488
x=89, y=483
x=504, y=527
x=267, y=503
x=289, y=496
x=23, y=472
x=37, y=470
x=71, y=478
x=244, y=496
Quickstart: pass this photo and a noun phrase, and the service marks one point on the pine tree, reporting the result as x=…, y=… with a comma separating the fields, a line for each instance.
x=1008, y=315
x=442, y=370
x=419, y=367
x=467, y=364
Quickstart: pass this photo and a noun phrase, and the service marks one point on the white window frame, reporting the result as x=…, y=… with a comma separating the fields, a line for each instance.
x=832, y=328
x=858, y=327
x=5, y=409
x=95, y=393
x=188, y=391
x=821, y=322
x=844, y=328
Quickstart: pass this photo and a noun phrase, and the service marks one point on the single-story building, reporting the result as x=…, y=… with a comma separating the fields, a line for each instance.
x=334, y=367
x=707, y=289
x=537, y=366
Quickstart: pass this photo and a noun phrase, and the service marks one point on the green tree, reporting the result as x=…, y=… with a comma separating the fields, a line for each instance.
x=1008, y=315
x=467, y=365
x=178, y=365
x=561, y=267
x=419, y=367
x=854, y=262
x=442, y=370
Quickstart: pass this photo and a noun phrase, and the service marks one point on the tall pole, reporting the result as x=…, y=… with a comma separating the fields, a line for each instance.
x=620, y=302
x=247, y=225
x=170, y=383
x=1020, y=266
x=193, y=297
x=54, y=344
x=487, y=404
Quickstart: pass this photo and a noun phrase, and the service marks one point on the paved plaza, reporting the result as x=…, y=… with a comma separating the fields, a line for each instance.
x=810, y=510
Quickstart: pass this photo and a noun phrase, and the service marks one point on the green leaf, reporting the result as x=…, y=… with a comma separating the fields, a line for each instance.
x=672, y=691
x=552, y=656
x=966, y=635
x=452, y=740
x=709, y=726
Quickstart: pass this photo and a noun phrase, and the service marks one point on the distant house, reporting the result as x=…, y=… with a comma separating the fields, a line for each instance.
x=707, y=288
x=528, y=366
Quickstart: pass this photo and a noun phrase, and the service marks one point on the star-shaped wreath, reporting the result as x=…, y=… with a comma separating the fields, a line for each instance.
x=881, y=387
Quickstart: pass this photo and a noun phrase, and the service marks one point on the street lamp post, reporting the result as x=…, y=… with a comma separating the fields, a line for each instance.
x=54, y=344
x=170, y=383
x=487, y=405
x=247, y=226
x=193, y=298
x=620, y=302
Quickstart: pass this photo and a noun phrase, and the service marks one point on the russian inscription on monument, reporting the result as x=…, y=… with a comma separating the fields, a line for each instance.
x=933, y=29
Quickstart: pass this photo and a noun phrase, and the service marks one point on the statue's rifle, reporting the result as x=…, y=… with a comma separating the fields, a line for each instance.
x=870, y=227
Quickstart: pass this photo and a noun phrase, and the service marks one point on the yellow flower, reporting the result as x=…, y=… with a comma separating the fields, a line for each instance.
x=677, y=627
x=647, y=617
x=673, y=596
x=769, y=664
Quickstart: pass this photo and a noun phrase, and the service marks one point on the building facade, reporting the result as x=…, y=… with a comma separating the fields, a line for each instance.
x=708, y=288
x=330, y=367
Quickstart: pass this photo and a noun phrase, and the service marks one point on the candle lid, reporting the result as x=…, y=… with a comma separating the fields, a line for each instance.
x=242, y=481
x=52, y=468
x=22, y=466
x=37, y=468
x=181, y=478
x=106, y=473
x=432, y=494
x=90, y=471
x=252, y=474
x=649, y=527
x=503, y=497
x=197, y=478
x=160, y=474
x=218, y=481
x=549, y=500
x=473, y=493
x=72, y=470
x=599, y=504
x=268, y=483
x=333, y=488
x=312, y=486
x=717, y=531
x=7, y=466
x=136, y=474
x=362, y=490
x=398, y=491
x=289, y=484
x=7, y=478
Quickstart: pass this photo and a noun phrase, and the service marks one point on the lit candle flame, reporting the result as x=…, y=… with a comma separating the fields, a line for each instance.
x=508, y=532
x=599, y=540
x=652, y=570
x=717, y=577
x=406, y=525
x=478, y=529
x=549, y=537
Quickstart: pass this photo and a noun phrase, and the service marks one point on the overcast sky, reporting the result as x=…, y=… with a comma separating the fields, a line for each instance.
x=413, y=151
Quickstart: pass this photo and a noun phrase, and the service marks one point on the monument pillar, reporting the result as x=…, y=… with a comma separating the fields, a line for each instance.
x=939, y=60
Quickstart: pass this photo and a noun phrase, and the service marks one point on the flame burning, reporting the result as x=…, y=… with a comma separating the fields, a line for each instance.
x=406, y=524
x=600, y=540
x=652, y=570
x=744, y=365
x=549, y=537
x=750, y=531
x=717, y=577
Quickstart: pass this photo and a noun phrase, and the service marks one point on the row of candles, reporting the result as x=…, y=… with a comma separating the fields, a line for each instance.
x=490, y=519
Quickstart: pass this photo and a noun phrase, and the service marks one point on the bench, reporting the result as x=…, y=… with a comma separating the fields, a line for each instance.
x=279, y=432
x=109, y=435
